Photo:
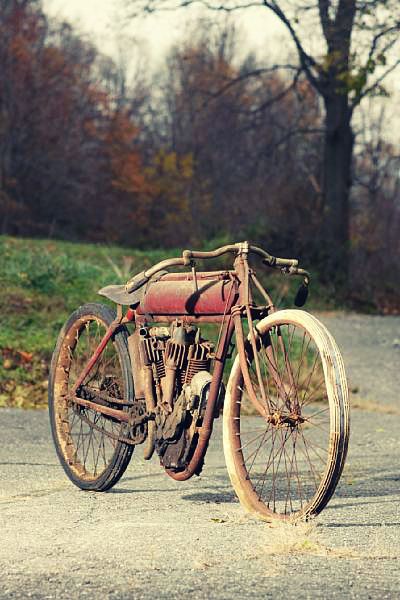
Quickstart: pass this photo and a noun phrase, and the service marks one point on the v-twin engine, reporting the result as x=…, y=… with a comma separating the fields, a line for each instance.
x=180, y=362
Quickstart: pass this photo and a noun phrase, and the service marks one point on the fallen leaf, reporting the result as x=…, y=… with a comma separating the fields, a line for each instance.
x=26, y=356
x=217, y=520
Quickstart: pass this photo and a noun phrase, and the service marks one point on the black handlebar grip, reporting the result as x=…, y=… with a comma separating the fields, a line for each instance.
x=301, y=296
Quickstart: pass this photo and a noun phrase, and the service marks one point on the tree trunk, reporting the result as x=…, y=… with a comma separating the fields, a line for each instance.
x=338, y=152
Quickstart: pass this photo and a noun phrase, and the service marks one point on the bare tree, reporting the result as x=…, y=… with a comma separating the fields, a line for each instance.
x=358, y=43
x=376, y=207
x=240, y=141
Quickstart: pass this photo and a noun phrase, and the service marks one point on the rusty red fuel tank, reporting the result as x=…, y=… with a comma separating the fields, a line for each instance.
x=212, y=293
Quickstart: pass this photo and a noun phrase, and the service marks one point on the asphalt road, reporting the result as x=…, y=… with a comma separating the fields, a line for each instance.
x=152, y=537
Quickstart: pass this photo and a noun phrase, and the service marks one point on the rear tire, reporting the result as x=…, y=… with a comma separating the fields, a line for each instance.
x=86, y=441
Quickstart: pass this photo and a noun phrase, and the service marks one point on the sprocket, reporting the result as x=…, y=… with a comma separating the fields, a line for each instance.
x=138, y=423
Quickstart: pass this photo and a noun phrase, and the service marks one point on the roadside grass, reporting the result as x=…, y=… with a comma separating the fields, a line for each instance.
x=284, y=539
x=280, y=539
x=303, y=538
x=43, y=281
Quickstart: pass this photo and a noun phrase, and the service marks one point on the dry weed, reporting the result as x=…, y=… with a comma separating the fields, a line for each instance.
x=287, y=539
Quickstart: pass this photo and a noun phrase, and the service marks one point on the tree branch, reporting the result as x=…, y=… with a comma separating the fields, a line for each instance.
x=307, y=62
x=255, y=73
x=366, y=91
x=281, y=94
x=262, y=106
x=151, y=6
x=326, y=23
x=378, y=37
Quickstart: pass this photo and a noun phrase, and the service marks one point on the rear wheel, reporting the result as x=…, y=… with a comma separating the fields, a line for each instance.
x=285, y=455
x=88, y=443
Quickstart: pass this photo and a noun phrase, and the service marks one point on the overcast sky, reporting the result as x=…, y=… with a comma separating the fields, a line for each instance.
x=101, y=18
x=261, y=32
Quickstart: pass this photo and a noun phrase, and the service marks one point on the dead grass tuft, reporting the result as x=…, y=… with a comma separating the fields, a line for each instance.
x=303, y=538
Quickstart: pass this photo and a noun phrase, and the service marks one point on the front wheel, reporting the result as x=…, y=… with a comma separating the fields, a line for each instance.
x=286, y=453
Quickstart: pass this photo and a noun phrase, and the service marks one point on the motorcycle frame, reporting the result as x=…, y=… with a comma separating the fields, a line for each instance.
x=243, y=308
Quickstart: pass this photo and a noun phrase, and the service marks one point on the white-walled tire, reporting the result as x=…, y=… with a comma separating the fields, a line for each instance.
x=285, y=463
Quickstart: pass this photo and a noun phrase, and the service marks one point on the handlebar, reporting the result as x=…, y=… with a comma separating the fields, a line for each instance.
x=287, y=265
x=268, y=259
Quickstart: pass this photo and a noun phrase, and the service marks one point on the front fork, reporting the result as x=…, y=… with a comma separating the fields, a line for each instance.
x=248, y=351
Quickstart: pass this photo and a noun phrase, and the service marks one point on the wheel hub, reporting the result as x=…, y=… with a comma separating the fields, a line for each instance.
x=278, y=419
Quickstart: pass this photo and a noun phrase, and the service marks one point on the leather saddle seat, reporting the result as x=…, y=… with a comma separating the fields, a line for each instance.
x=119, y=295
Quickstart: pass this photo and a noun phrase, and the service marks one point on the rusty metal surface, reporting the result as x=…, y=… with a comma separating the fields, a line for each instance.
x=104, y=410
x=165, y=297
x=206, y=429
x=137, y=372
x=202, y=275
x=192, y=297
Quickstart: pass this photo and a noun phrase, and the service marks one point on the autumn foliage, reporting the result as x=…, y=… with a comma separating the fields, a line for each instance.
x=213, y=148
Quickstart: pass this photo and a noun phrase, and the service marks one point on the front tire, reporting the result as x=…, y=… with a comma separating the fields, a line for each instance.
x=285, y=457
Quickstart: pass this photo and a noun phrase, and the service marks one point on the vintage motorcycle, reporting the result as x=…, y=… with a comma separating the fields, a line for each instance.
x=149, y=376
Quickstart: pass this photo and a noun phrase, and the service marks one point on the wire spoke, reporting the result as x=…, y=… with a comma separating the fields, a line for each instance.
x=276, y=469
x=309, y=417
x=251, y=441
x=264, y=475
x=255, y=452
